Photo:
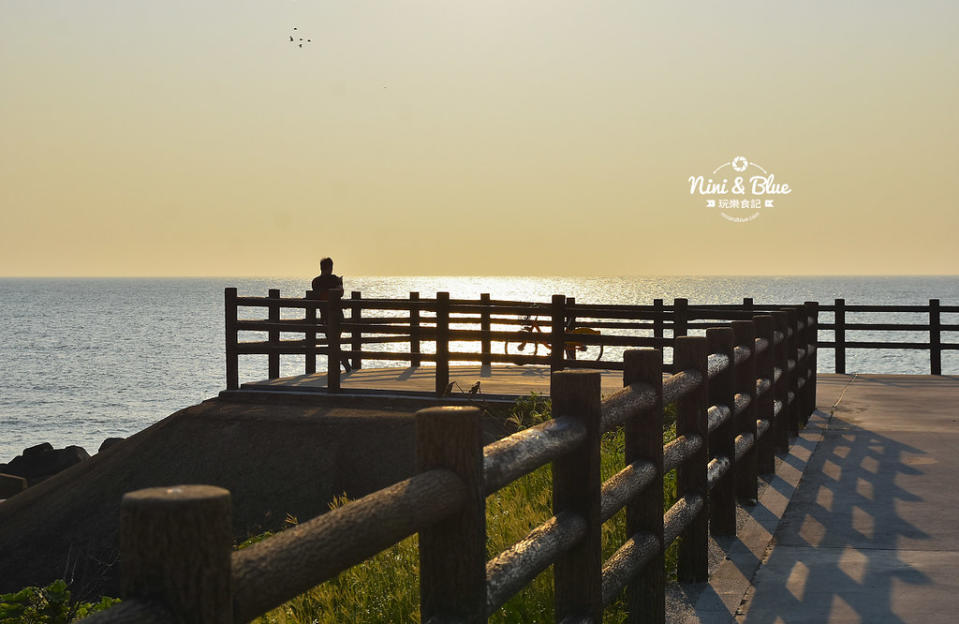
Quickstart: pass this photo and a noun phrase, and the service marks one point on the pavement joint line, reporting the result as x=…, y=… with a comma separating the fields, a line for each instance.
x=841, y=395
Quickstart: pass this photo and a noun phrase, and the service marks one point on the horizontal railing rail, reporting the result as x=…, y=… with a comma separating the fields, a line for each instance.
x=739, y=392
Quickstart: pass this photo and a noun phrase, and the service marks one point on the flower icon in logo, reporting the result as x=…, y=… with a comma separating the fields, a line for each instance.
x=740, y=163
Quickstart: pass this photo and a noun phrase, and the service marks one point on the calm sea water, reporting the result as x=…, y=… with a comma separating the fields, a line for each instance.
x=85, y=359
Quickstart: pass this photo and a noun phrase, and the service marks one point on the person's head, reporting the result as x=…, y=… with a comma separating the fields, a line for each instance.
x=326, y=266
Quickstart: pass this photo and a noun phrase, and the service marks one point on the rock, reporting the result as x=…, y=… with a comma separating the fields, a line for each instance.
x=108, y=443
x=40, y=464
x=11, y=484
x=39, y=449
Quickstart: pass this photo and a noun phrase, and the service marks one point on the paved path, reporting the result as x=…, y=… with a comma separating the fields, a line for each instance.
x=504, y=381
x=871, y=533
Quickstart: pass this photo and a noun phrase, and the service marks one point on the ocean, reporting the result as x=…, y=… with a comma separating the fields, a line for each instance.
x=86, y=359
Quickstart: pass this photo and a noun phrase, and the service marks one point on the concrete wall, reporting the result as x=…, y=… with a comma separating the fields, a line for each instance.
x=277, y=457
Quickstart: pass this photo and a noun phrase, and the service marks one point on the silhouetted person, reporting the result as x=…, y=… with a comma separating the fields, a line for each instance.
x=323, y=283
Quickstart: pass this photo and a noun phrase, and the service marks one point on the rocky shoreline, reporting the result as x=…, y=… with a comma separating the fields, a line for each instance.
x=40, y=462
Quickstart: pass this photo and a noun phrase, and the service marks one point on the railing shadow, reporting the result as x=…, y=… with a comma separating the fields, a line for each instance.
x=835, y=554
x=719, y=600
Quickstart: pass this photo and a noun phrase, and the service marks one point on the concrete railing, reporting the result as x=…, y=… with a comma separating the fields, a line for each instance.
x=571, y=335
x=739, y=393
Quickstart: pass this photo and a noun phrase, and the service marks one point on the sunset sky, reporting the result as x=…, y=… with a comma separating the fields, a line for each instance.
x=474, y=138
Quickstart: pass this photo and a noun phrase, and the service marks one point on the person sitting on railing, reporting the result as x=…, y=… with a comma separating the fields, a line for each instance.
x=323, y=283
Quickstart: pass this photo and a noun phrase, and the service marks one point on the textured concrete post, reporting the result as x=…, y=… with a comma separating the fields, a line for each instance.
x=442, y=342
x=812, y=308
x=792, y=377
x=557, y=332
x=273, y=337
x=175, y=548
x=232, y=364
x=658, y=311
x=840, y=335
x=747, y=486
x=722, y=442
x=578, y=573
x=570, y=326
x=309, y=359
x=486, y=344
x=646, y=594
x=780, y=428
x=935, y=342
x=415, y=359
x=453, y=552
x=765, y=446
x=334, y=307
x=356, y=334
x=689, y=352
x=680, y=316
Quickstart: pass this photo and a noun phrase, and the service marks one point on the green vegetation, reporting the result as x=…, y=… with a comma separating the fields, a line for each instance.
x=47, y=605
x=385, y=588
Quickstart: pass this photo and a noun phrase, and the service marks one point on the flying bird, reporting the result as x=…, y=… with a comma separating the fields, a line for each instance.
x=291, y=37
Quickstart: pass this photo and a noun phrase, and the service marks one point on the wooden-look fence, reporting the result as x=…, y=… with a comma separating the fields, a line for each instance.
x=740, y=392
x=560, y=326
x=933, y=327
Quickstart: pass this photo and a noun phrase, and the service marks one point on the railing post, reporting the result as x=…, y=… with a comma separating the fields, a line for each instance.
x=486, y=345
x=766, y=446
x=309, y=336
x=747, y=486
x=680, y=316
x=453, y=552
x=748, y=304
x=689, y=352
x=273, y=337
x=839, y=334
x=780, y=428
x=935, y=346
x=334, y=308
x=577, y=489
x=658, y=310
x=557, y=331
x=570, y=352
x=232, y=357
x=415, y=359
x=792, y=377
x=812, y=310
x=175, y=549
x=442, y=342
x=644, y=513
x=356, y=334
x=722, y=441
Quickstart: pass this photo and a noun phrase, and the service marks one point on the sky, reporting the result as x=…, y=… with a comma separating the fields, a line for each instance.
x=475, y=138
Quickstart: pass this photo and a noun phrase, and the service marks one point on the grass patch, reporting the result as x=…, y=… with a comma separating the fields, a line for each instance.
x=385, y=588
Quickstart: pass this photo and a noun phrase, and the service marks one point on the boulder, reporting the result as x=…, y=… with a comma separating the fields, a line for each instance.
x=108, y=443
x=39, y=464
x=11, y=484
x=39, y=449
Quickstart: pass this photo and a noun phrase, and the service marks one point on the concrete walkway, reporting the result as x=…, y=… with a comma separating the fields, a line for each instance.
x=871, y=532
x=498, y=381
